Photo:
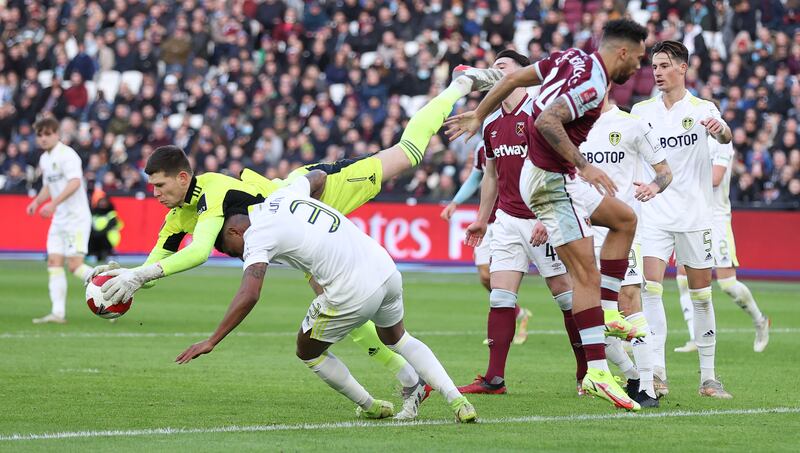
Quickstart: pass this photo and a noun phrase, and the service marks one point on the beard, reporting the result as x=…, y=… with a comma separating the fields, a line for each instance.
x=621, y=79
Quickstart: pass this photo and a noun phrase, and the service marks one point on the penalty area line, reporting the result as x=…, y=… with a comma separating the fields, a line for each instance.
x=533, y=419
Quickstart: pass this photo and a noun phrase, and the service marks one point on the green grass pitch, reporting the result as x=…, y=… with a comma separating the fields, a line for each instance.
x=107, y=386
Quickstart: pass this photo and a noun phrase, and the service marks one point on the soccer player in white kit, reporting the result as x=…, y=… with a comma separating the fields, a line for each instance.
x=360, y=282
x=680, y=219
x=620, y=144
x=68, y=206
x=724, y=251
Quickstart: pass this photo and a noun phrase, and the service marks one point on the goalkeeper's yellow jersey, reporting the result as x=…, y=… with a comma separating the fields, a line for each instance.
x=201, y=216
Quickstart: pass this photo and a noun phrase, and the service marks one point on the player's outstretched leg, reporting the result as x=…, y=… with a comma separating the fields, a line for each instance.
x=653, y=308
x=335, y=373
x=426, y=122
x=687, y=309
x=367, y=339
x=432, y=371
x=705, y=327
x=742, y=296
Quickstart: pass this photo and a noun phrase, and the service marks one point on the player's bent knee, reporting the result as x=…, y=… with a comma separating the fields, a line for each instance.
x=559, y=284
x=501, y=298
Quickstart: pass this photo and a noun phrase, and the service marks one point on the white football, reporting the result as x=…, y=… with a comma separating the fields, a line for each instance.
x=98, y=304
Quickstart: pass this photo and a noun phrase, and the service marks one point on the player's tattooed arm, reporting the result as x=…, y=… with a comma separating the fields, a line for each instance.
x=317, y=179
x=663, y=175
x=551, y=125
x=244, y=301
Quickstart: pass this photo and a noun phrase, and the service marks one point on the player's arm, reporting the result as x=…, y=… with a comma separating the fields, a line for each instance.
x=41, y=197
x=241, y=305
x=464, y=192
x=470, y=122
x=477, y=230
x=663, y=178
x=196, y=253
x=49, y=208
x=717, y=174
x=550, y=123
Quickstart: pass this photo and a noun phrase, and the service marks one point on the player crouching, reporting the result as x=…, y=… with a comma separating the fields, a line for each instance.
x=293, y=228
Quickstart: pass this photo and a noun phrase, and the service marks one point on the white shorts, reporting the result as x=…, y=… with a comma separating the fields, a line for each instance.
x=562, y=202
x=512, y=249
x=69, y=239
x=692, y=248
x=724, y=249
x=330, y=323
x=481, y=252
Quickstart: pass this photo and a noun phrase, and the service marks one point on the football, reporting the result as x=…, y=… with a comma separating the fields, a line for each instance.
x=98, y=305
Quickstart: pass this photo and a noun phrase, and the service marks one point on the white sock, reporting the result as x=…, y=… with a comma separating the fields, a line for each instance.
x=617, y=355
x=335, y=373
x=82, y=271
x=407, y=376
x=705, y=327
x=742, y=296
x=427, y=365
x=643, y=353
x=686, y=303
x=58, y=291
x=653, y=308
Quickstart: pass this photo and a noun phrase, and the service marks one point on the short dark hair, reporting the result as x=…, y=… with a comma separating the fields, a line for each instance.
x=673, y=49
x=47, y=123
x=168, y=159
x=624, y=29
x=521, y=60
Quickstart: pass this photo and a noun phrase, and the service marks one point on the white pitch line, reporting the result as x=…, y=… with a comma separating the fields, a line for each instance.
x=532, y=419
x=435, y=333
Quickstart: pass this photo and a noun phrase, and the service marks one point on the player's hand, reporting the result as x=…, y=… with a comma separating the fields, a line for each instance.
x=713, y=126
x=599, y=179
x=127, y=281
x=645, y=192
x=97, y=270
x=448, y=211
x=31, y=209
x=194, y=351
x=47, y=210
x=539, y=234
x=475, y=233
x=465, y=123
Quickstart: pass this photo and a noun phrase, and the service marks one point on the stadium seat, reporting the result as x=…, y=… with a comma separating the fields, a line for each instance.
x=367, y=58
x=196, y=121
x=108, y=81
x=337, y=91
x=592, y=6
x=644, y=82
x=91, y=89
x=174, y=121
x=411, y=48
x=523, y=34
x=133, y=79
x=621, y=94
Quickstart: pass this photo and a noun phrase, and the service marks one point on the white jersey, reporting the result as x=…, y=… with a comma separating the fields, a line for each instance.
x=686, y=203
x=622, y=144
x=292, y=228
x=722, y=155
x=59, y=166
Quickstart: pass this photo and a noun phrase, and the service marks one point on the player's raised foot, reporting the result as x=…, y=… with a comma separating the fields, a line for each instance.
x=379, y=409
x=481, y=386
x=762, y=334
x=603, y=384
x=713, y=388
x=482, y=79
x=521, y=335
x=50, y=318
x=412, y=397
x=646, y=401
x=690, y=346
x=632, y=388
x=617, y=326
x=465, y=412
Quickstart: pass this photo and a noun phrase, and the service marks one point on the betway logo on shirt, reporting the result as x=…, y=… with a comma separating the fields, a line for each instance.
x=514, y=150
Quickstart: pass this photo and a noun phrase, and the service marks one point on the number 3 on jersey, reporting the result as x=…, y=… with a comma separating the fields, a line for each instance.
x=316, y=210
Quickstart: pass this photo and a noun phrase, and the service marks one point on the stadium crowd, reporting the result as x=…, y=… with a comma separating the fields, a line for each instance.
x=271, y=84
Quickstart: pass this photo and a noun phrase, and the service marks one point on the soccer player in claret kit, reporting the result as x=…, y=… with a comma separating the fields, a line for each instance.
x=620, y=144
x=482, y=251
x=573, y=87
x=517, y=238
x=62, y=197
x=680, y=219
x=360, y=282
